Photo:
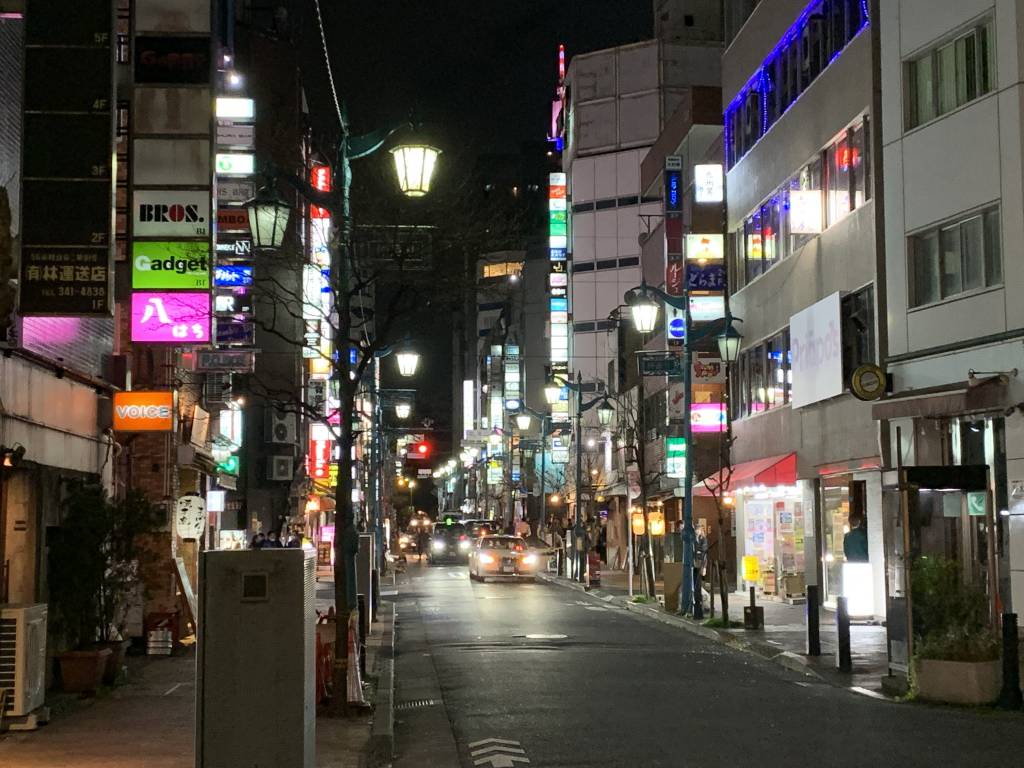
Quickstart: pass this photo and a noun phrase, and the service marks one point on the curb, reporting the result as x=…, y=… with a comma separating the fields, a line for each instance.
x=380, y=749
x=787, y=659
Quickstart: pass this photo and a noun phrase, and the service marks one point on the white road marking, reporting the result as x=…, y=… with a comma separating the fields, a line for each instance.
x=172, y=689
x=866, y=692
x=498, y=753
x=596, y=608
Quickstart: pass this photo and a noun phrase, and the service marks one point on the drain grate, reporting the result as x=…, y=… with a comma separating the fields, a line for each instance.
x=416, y=704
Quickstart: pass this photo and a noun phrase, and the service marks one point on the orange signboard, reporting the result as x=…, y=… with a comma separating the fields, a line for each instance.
x=143, y=411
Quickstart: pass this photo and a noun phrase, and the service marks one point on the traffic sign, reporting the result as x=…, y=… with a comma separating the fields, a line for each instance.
x=669, y=365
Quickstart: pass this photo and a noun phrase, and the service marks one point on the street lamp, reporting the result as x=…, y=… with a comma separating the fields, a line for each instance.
x=268, y=218
x=408, y=361
x=523, y=421
x=414, y=164
x=402, y=410
x=729, y=342
x=605, y=413
x=552, y=392
x=643, y=303
x=644, y=310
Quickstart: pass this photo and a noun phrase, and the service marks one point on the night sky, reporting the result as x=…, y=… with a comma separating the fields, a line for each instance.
x=481, y=72
x=480, y=76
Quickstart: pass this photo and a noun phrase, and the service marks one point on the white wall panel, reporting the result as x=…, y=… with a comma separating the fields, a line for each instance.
x=170, y=162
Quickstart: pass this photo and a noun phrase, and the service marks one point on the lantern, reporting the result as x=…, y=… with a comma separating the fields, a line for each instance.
x=636, y=522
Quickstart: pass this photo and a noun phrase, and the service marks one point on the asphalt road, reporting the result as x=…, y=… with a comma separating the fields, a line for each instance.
x=560, y=679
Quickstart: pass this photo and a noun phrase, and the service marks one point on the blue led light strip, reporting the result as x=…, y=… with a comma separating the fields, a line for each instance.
x=761, y=76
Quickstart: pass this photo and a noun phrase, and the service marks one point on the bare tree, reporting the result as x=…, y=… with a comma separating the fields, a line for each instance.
x=633, y=426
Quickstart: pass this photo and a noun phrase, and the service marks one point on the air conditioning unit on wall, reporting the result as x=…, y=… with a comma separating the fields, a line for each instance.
x=280, y=468
x=23, y=659
x=281, y=427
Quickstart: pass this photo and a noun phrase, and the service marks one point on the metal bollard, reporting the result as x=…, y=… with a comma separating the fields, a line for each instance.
x=813, y=621
x=844, y=660
x=723, y=586
x=1010, y=696
x=698, y=596
x=753, y=615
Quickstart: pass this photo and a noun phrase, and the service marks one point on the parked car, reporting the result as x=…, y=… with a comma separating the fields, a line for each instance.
x=450, y=543
x=502, y=557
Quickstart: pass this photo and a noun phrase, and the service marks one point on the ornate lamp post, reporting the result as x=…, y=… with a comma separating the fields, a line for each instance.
x=644, y=303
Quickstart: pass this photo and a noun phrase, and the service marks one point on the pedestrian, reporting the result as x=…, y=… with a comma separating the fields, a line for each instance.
x=258, y=541
x=273, y=542
x=293, y=542
x=421, y=542
x=855, y=541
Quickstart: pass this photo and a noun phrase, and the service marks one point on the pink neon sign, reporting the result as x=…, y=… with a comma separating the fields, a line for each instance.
x=171, y=318
x=707, y=417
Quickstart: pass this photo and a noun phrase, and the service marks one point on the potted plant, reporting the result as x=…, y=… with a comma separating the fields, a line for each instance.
x=956, y=657
x=92, y=571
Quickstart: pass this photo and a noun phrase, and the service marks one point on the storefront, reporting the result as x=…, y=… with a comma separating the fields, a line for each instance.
x=770, y=523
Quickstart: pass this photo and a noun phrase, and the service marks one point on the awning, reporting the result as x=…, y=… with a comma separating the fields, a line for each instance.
x=963, y=397
x=770, y=471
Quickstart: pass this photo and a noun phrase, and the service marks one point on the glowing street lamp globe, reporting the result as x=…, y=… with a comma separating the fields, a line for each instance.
x=605, y=413
x=645, y=314
x=408, y=362
x=552, y=393
x=414, y=164
x=523, y=421
x=268, y=219
x=402, y=410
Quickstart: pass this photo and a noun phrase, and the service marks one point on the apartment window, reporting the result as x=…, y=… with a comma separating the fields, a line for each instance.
x=764, y=376
x=858, y=330
x=808, y=48
x=950, y=75
x=832, y=184
x=502, y=269
x=955, y=258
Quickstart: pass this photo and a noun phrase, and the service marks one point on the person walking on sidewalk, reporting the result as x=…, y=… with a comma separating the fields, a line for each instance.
x=422, y=542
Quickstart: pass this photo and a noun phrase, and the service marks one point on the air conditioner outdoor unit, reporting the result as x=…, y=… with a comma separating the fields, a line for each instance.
x=281, y=428
x=23, y=657
x=257, y=622
x=280, y=468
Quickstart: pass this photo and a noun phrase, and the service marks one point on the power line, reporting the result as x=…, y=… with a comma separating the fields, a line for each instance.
x=327, y=62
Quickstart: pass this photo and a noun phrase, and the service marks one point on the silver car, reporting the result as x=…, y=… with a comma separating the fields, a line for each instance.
x=508, y=557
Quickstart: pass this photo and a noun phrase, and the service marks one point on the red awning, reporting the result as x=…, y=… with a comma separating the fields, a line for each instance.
x=774, y=470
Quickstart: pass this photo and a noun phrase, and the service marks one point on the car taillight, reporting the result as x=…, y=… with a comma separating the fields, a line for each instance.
x=462, y=538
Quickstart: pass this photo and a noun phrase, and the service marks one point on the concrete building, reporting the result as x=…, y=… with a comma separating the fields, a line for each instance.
x=800, y=141
x=617, y=102
x=952, y=127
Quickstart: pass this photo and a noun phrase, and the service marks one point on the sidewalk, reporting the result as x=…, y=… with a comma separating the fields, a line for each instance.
x=150, y=720
x=782, y=640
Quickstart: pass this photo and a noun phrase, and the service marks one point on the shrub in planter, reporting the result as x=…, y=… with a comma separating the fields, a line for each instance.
x=93, y=566
x=956, y=651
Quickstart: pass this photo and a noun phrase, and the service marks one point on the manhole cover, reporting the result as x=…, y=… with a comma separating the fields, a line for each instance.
x=416, y=704
x=546, y=637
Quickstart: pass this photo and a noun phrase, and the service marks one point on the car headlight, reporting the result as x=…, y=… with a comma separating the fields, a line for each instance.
x=530, y=559
x=463, y=545
x=486, y=559
x=438, y=546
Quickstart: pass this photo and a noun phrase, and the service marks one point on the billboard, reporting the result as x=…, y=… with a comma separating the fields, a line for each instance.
x=232, y=275
x=171, y=318
x=815, y=336
x=64, y=281
x=175, y=265
x=144, y=411
x=170, y=213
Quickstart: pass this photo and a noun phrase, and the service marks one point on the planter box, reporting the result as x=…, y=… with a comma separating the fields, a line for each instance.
x=82, y=671
x=958, y=682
